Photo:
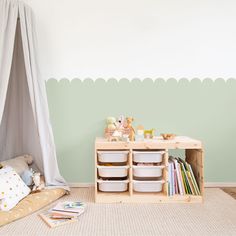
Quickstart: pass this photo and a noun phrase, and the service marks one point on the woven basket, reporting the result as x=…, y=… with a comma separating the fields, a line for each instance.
x=109, y=132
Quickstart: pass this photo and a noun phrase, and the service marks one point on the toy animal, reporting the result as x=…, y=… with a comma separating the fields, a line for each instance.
x=121, y=122
x=111, y=121
x=37, y=184
x=129, y=121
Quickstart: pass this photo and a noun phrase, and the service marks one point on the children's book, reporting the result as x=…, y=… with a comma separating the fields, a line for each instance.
x=176, y=181
x=194, y=180
x=181, y=180
x=69, y=208
x=172, y=178
x=73, y=205
x=53, y=222
x=169, y=181
x=179, y=183
x=191, y=183
x=188, y=189
x=63, y=213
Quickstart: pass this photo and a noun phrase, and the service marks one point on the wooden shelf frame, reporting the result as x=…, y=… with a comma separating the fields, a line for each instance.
x=130, y=160
x=194, y=154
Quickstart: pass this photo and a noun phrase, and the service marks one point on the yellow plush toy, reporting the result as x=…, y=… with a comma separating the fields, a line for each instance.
x=111, y=121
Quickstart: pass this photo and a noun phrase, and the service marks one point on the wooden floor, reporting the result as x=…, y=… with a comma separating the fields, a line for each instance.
x=230, y=191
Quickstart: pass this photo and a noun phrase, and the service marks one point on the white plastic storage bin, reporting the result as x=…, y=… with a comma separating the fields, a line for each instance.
x=113, y=185
x=148, y=186
x=148, y=156
x=112, y=156
x=112, y=171
x=147, y=171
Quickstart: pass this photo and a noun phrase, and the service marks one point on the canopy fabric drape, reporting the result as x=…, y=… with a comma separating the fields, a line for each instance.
x=24, y=117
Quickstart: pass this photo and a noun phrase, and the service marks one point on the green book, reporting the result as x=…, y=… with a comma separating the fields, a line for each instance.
x=186, y=179
x=194, y=180
x=185, y=186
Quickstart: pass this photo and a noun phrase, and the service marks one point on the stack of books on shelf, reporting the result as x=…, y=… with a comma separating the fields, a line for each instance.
x=63, y=213
x=181, y=179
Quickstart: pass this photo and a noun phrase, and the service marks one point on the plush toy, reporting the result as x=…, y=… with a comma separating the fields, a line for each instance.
x=129, y=121
x=121, y=122
x=38, y=185
x=111, y=121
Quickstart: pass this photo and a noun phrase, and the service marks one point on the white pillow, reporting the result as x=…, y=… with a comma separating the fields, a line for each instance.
x=12, y=188
x=19, y=164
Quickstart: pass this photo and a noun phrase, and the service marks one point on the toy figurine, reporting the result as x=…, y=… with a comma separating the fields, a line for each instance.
x=149, y=133
x=129, y=121
x=139, y=136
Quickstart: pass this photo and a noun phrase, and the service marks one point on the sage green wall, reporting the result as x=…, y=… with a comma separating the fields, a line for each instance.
x=203, y=110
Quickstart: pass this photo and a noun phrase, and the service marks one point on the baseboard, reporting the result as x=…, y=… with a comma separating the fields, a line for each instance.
x=207, y=185
x=81, y=185
x=219, y=184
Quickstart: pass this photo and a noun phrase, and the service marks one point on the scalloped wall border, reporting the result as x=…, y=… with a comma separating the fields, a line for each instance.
x=153, y=80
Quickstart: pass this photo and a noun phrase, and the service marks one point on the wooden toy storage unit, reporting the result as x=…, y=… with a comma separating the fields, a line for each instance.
x=193, y=155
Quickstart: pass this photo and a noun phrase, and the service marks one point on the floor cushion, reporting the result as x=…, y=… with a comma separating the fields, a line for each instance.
x=30, y=204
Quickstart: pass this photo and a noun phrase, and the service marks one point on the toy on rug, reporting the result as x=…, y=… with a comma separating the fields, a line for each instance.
x=149, y=134
x=129, y=126
x=38, y=184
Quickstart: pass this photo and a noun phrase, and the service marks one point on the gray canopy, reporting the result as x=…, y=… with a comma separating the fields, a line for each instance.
x=24, y=117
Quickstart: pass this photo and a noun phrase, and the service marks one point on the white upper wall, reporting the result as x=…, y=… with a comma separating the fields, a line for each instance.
x=136, y=38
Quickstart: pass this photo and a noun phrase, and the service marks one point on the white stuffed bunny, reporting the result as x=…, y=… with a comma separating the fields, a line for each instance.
x=38, y=185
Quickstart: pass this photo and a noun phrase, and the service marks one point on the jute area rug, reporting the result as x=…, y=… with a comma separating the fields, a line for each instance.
x=216, y=216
